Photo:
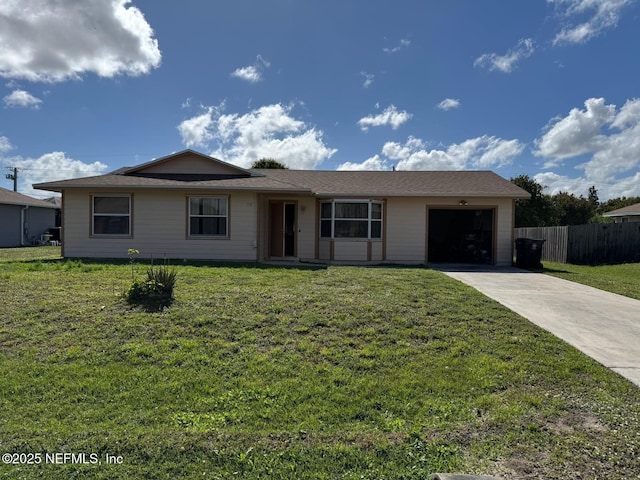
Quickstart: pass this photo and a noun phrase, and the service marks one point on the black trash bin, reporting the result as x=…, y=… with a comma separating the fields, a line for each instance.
x=528, y=253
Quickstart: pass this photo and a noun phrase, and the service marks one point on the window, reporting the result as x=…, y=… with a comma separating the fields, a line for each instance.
x=351, y=219
x=208, y=216
x=111, y=215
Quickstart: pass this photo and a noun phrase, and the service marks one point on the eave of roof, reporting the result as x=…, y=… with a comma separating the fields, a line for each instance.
x=629, y=210
x=332, y=183
x=254, y=183
x=321, y=183
x=9, y=197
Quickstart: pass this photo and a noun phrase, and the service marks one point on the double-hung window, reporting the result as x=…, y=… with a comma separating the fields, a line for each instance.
x=351, y=219
x=208, y=216
x=111, y=215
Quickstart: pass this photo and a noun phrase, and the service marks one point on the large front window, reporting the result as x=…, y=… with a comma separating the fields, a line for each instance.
x=111, y=215
x=351, y=219
x=208, y=216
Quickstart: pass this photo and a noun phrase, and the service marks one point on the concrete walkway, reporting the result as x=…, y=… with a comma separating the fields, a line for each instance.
x=603, y=325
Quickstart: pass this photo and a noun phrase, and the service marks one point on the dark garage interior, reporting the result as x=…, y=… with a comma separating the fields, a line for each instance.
x=460, y=236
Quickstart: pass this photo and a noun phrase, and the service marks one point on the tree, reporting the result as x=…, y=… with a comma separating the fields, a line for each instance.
x=538, y=210
x=572, y=210
x=593, y=197
x=268, y=163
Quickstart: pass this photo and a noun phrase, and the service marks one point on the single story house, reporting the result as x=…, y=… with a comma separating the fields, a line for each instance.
x=191, y=206
x=24, y=219
x=629, y=213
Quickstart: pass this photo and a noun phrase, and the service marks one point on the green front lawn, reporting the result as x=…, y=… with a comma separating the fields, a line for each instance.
x=267, y=372
x=621, y=279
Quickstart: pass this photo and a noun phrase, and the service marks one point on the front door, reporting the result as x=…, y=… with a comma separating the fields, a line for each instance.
x=283, y=229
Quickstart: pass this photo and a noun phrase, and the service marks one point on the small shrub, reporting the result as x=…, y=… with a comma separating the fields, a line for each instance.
x=161, y=280
x=156, y=290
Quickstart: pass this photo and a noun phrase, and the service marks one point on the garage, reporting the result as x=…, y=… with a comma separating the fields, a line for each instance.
x=460, y=235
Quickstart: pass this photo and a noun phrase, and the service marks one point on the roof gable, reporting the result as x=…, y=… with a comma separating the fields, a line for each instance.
x=184, y=163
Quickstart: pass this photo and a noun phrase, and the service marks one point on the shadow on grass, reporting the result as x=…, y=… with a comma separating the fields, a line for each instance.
x=152, y=304
x=554, y=270
x=172, y=262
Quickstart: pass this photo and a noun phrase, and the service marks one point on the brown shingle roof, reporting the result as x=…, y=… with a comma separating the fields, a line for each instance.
x=13, y=198
x=322, y=183
x=400, y=183
x=624, y=211
x=135, y=181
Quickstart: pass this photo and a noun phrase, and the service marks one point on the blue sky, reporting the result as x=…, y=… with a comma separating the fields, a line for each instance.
x=547, y=88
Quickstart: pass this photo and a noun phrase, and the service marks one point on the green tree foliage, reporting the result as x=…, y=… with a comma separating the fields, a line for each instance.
x=268, y=163
x=571, y=210
x=536, y=211
x=548, y=210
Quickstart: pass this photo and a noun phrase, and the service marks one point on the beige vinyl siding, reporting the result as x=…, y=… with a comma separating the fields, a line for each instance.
x=504, y=231
x=324, y=250
x=350, y=250
x=159, y=228
x=406, y=229
x=306, y=224
x=376, y=251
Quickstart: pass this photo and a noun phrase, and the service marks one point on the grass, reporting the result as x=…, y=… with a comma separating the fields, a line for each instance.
x=621, y=279
x=326, y=373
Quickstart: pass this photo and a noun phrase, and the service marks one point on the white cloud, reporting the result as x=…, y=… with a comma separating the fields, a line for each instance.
x=249, y=74
x=448, y=104
x=252, y=73
x=390, y=116
x=49, y=167
x=628, y=186
x=404, y=43
x=555, y=183
x=577, y=133
x=506, y=63
x=22, y=98
x=374, y=163
x=267, y=132
x=5, y=145
x=196, y=131
x=52, y=41
x=601, y=16
x=607, y=136
x=611, y=137
x=476, y=153
x=368, y=79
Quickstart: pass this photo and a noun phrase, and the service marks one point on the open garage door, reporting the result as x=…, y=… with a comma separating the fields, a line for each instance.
x=461, y=235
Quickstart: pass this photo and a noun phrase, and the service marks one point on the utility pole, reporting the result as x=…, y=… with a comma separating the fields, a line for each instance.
x=13, y=177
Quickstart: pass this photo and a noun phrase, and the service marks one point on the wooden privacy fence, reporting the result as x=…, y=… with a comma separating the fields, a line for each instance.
x=591, y=244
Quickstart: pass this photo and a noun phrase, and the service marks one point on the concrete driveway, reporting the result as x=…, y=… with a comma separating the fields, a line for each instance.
x=603, y=325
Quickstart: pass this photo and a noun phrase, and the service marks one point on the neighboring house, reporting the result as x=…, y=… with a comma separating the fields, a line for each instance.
x=630, y=213
x=192, y=206
x=24, y=219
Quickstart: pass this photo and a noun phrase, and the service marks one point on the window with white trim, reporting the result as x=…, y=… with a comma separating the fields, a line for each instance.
x=351, y=219
x=111, y=215
x=208, y=216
